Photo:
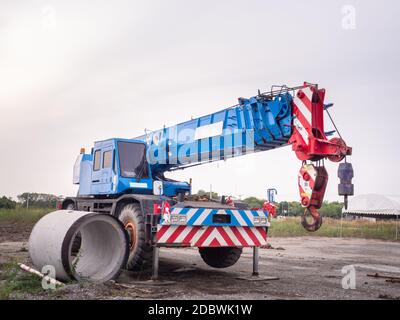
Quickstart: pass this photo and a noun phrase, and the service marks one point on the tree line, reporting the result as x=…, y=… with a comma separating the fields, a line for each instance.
x=286, y=208
x=30, y=200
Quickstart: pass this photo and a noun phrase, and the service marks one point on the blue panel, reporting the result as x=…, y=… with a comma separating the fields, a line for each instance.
x=263, y=123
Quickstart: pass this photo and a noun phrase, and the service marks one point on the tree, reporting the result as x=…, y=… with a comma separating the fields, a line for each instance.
x=7, y=203
x=290, y=208
x=38, y=200
x=331, y=209
x=202, y=193
x=254, y=202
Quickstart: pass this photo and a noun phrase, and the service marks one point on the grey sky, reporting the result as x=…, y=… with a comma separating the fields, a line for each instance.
x=72, y=72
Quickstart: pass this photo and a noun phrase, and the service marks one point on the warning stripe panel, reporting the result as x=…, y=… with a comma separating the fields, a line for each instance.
x=197, y=236
x=302, y=110
x=203, y=216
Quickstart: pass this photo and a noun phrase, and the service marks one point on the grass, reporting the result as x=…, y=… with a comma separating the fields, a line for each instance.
x=291, y=227
x=13, y=281
x=22, y=215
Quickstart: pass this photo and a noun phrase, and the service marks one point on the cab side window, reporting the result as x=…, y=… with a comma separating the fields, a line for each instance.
x=97, y=160
x=107, y=159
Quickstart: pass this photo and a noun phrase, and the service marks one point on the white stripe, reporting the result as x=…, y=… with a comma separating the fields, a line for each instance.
x=214, y=235
x=190, y=214
x=197, y=236
x=258, y=235
x=221, y=212
x=307, y=91
x=202, y=217
x=245, y=236
x=249, y=215
x=239, y=218
x=167, y=234
x=183, y=234
x=220, y=238
x=301, y=129
x=176, y=210
x=303, y=109
x=232, y=236
x=261, y=214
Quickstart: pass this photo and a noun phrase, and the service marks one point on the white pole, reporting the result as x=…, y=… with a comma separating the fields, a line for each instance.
x=39, y=274
x=341, y=224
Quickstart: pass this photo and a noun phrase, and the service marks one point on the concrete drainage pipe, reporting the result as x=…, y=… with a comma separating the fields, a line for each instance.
x=104, y=245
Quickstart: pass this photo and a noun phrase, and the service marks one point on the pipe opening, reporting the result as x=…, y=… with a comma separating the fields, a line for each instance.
x=95, y=251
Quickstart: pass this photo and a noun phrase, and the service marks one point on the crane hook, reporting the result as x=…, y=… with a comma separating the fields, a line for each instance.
x=312, y=181
x=314, y=214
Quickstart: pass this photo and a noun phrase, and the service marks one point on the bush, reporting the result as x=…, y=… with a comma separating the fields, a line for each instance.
x=7, y=203
x=254, y=202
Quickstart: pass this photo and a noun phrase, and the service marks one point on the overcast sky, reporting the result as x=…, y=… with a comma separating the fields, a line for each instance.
x=72, y=72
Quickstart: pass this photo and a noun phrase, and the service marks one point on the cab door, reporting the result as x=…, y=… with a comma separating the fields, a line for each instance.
x=102, y=176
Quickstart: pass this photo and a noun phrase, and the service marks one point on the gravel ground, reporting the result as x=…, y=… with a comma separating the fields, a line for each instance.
x=307, y=268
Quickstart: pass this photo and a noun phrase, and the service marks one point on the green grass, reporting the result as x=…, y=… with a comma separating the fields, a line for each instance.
x=22, y=215
x=14, y=280
x=291, y=227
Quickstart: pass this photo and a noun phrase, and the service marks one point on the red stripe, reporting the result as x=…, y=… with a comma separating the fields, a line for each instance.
x=191, y=234
x=301, y=189
x=161, y=232
x=303, y=120
x=226, y=237
x=299, y=136
x=307, y=101
x=262, y=231
x=175, y=234
x=311, y=182
x=214, y=243
x=252, y=236
x=239, y=236
x=204, y=236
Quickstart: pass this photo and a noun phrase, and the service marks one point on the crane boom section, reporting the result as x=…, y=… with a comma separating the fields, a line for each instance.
x=257, y=124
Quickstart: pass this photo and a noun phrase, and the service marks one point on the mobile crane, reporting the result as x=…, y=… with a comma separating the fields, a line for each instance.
x=125, y=177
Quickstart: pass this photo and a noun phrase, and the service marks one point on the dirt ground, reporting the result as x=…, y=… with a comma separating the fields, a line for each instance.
x=307, y=268
x=14, y=232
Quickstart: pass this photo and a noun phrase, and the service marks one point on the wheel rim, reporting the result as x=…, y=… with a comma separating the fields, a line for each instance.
x=130, y=227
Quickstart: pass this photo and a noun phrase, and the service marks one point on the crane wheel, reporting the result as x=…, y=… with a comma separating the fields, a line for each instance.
x=140, y=253
x=342, y=145
x=220, y=257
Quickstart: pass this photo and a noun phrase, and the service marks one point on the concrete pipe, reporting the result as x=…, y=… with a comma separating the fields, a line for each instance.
x=104, y=245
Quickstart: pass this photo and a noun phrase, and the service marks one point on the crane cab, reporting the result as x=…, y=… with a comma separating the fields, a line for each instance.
x=120, y=166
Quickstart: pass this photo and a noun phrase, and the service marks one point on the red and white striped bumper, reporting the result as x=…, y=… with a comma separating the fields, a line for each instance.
x=210, y=236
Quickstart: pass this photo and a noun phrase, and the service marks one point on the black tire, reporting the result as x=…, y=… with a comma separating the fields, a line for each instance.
x=220, y=257
x=69, y=206
x=141, y=253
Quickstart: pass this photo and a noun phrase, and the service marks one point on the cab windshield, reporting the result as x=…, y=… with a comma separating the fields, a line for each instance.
x=132, y=160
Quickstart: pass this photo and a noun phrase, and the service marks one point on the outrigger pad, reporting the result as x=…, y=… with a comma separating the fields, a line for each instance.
x=257, y=278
